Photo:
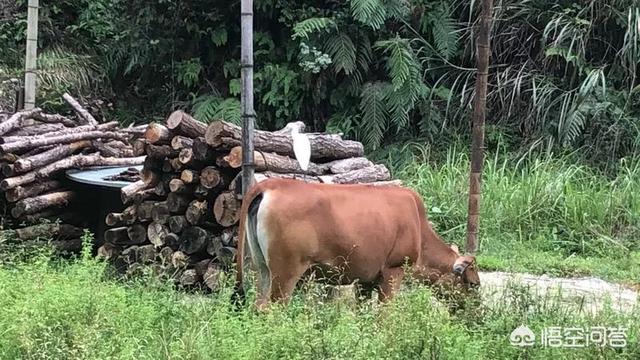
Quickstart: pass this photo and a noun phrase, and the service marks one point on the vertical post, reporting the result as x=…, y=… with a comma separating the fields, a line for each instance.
x=479, y=109
x=246, y=98
x=31, y=56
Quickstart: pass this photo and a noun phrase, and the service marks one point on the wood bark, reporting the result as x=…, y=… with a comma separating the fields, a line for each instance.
x=184, y=124
x=116, y=236
x=165, y=256
x=128, y=192
x=365, y=175
x=49, y=156
x=130, y=254
x=41, y=202
x=37, y=129
x=156, y=232
x=226, y=209
x=179, y=259
x=157, y=134
x=188, y=278
x=82, y=112
x=187, y=159
x=172, y=240
x=264, y=161
x=181, y=142
x=226, y=256
x=198, y=212
x=346, y=165
x=112, y=149
x=127, y=217
x=145, y=210
x=202, y=193
x=221, y=134
x=213, y=278
x=479, y=112
x=146, y=254
x=139, y=147
x=150, y=177
x=178, y=223
x=109, y=251
x=19, y=193
x=8, y=170
x=30, y=143
x=15, y=120
x=194, y=239
x=202, y=152
x=54, y=119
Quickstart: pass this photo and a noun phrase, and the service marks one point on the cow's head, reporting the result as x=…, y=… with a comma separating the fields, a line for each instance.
x=465, y=270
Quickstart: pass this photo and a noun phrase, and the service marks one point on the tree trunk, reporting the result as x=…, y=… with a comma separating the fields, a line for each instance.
x=109, y=251
x=160, y=213
x=179, y=187
x=128, y=192
x=49, y=156
x=127, y=217
x=479, y=108
x=172, y=241
x=54, y=119
x=49, y=231
x=82, y=112
x=34, y=142
x=116, y=236
x=189, y=176
x=226, y=209
x=210, y=177
x=38, y=129
x=137, y=234
x=157, y=233
x=161, y=151
x=145, y=210
x=39, y=203
x=346, y=165
x=202, y=152
x=19, y=193
x=185, y=125
x=221, y=134
x=16, y=119
x=365, y=175
x=157, y=133
x=139, y=147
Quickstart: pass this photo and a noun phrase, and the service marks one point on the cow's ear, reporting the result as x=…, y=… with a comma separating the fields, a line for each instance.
x=462, y=263
x=454, y=247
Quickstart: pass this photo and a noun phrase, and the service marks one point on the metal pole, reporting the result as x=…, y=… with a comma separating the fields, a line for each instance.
x=30, y=67
x=246, y=99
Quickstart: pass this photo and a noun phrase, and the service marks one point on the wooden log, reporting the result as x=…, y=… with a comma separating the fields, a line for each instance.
x=139, y=147
x=38, y=203
x=49, y=156
x=272, y=162
x=181, y=142
x=165, y=255
x=201, y=266
x=179, y=259
x=67, y=245
x=365, y=175
x=178, y=223
x=127, y=217
x=226, y=256
x=145, y=210
x=31, y=143
x=198, y=212
x=160, y=213
x=156, y=234
x=15, y=120
x=189, y=176
x=187, y=159
x=9, y=158
x=184, y=124
x=346, y=165
x=211, y=178
x=130, y=254
x=202, y=193
x=107, y=127
x=146, y=254
x=176, y=165
x=54, y=119
x=214, y=277
x=189, y=278
x=82, y=112
x=161, y=151
x=150, y=177
x=49, y=231
x=127, y=193
x=75, y=161
x=166, y=166
x=194, y=239
x=112, y=149
x=202, y=152
x=137, y=234
x=228, y=236
x=8, y=170
x=179, y=187
x=172, y=240
x=109, y=251
x=157, y=134
x=214, y=245
x=225, y=135
x=116, y=236
x=37, y=129
x=226, y=209
x=177, y=203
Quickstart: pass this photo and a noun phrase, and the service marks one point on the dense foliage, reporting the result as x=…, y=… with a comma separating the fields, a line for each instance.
x=563, y=74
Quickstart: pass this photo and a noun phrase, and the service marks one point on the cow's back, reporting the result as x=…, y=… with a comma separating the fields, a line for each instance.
x=357, y=228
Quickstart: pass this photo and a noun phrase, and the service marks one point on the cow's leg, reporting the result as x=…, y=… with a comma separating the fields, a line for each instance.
x=391, y=281
x=284, y=279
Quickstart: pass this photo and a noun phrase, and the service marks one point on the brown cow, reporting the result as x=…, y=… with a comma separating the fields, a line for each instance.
x=361, y=232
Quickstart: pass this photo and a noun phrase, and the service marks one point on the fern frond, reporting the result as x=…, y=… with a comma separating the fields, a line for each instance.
x=208, y=108
x=304, y=28
x=443, y=29
x=342, y=52
x=374, y=113
x=398, y=9
x=369, y=12
x=61, y=69
x=401, y=63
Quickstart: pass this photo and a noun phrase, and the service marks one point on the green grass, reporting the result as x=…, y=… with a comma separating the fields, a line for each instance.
x=538, y=214
x=70, y=310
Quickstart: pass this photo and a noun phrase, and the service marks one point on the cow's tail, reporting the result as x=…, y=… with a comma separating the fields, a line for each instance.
x=247, y=223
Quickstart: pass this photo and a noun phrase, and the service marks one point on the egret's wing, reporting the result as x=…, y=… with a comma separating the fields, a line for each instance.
x=302, y=150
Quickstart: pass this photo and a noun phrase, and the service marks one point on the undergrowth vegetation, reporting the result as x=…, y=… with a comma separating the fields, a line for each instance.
x=71, y=310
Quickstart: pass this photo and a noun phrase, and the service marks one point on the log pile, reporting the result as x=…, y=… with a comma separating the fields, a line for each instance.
x=181, y=216
x=36, y=149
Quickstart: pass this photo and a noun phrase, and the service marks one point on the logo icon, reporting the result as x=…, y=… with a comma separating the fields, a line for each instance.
x=522, y=336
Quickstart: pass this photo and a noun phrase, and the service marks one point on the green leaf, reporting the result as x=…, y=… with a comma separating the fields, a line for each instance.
x=342, y=52
x=304, y=28
x=219, y=37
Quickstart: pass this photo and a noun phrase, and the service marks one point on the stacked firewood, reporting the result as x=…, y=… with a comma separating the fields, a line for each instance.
x=35, y=150
x=183, y=212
